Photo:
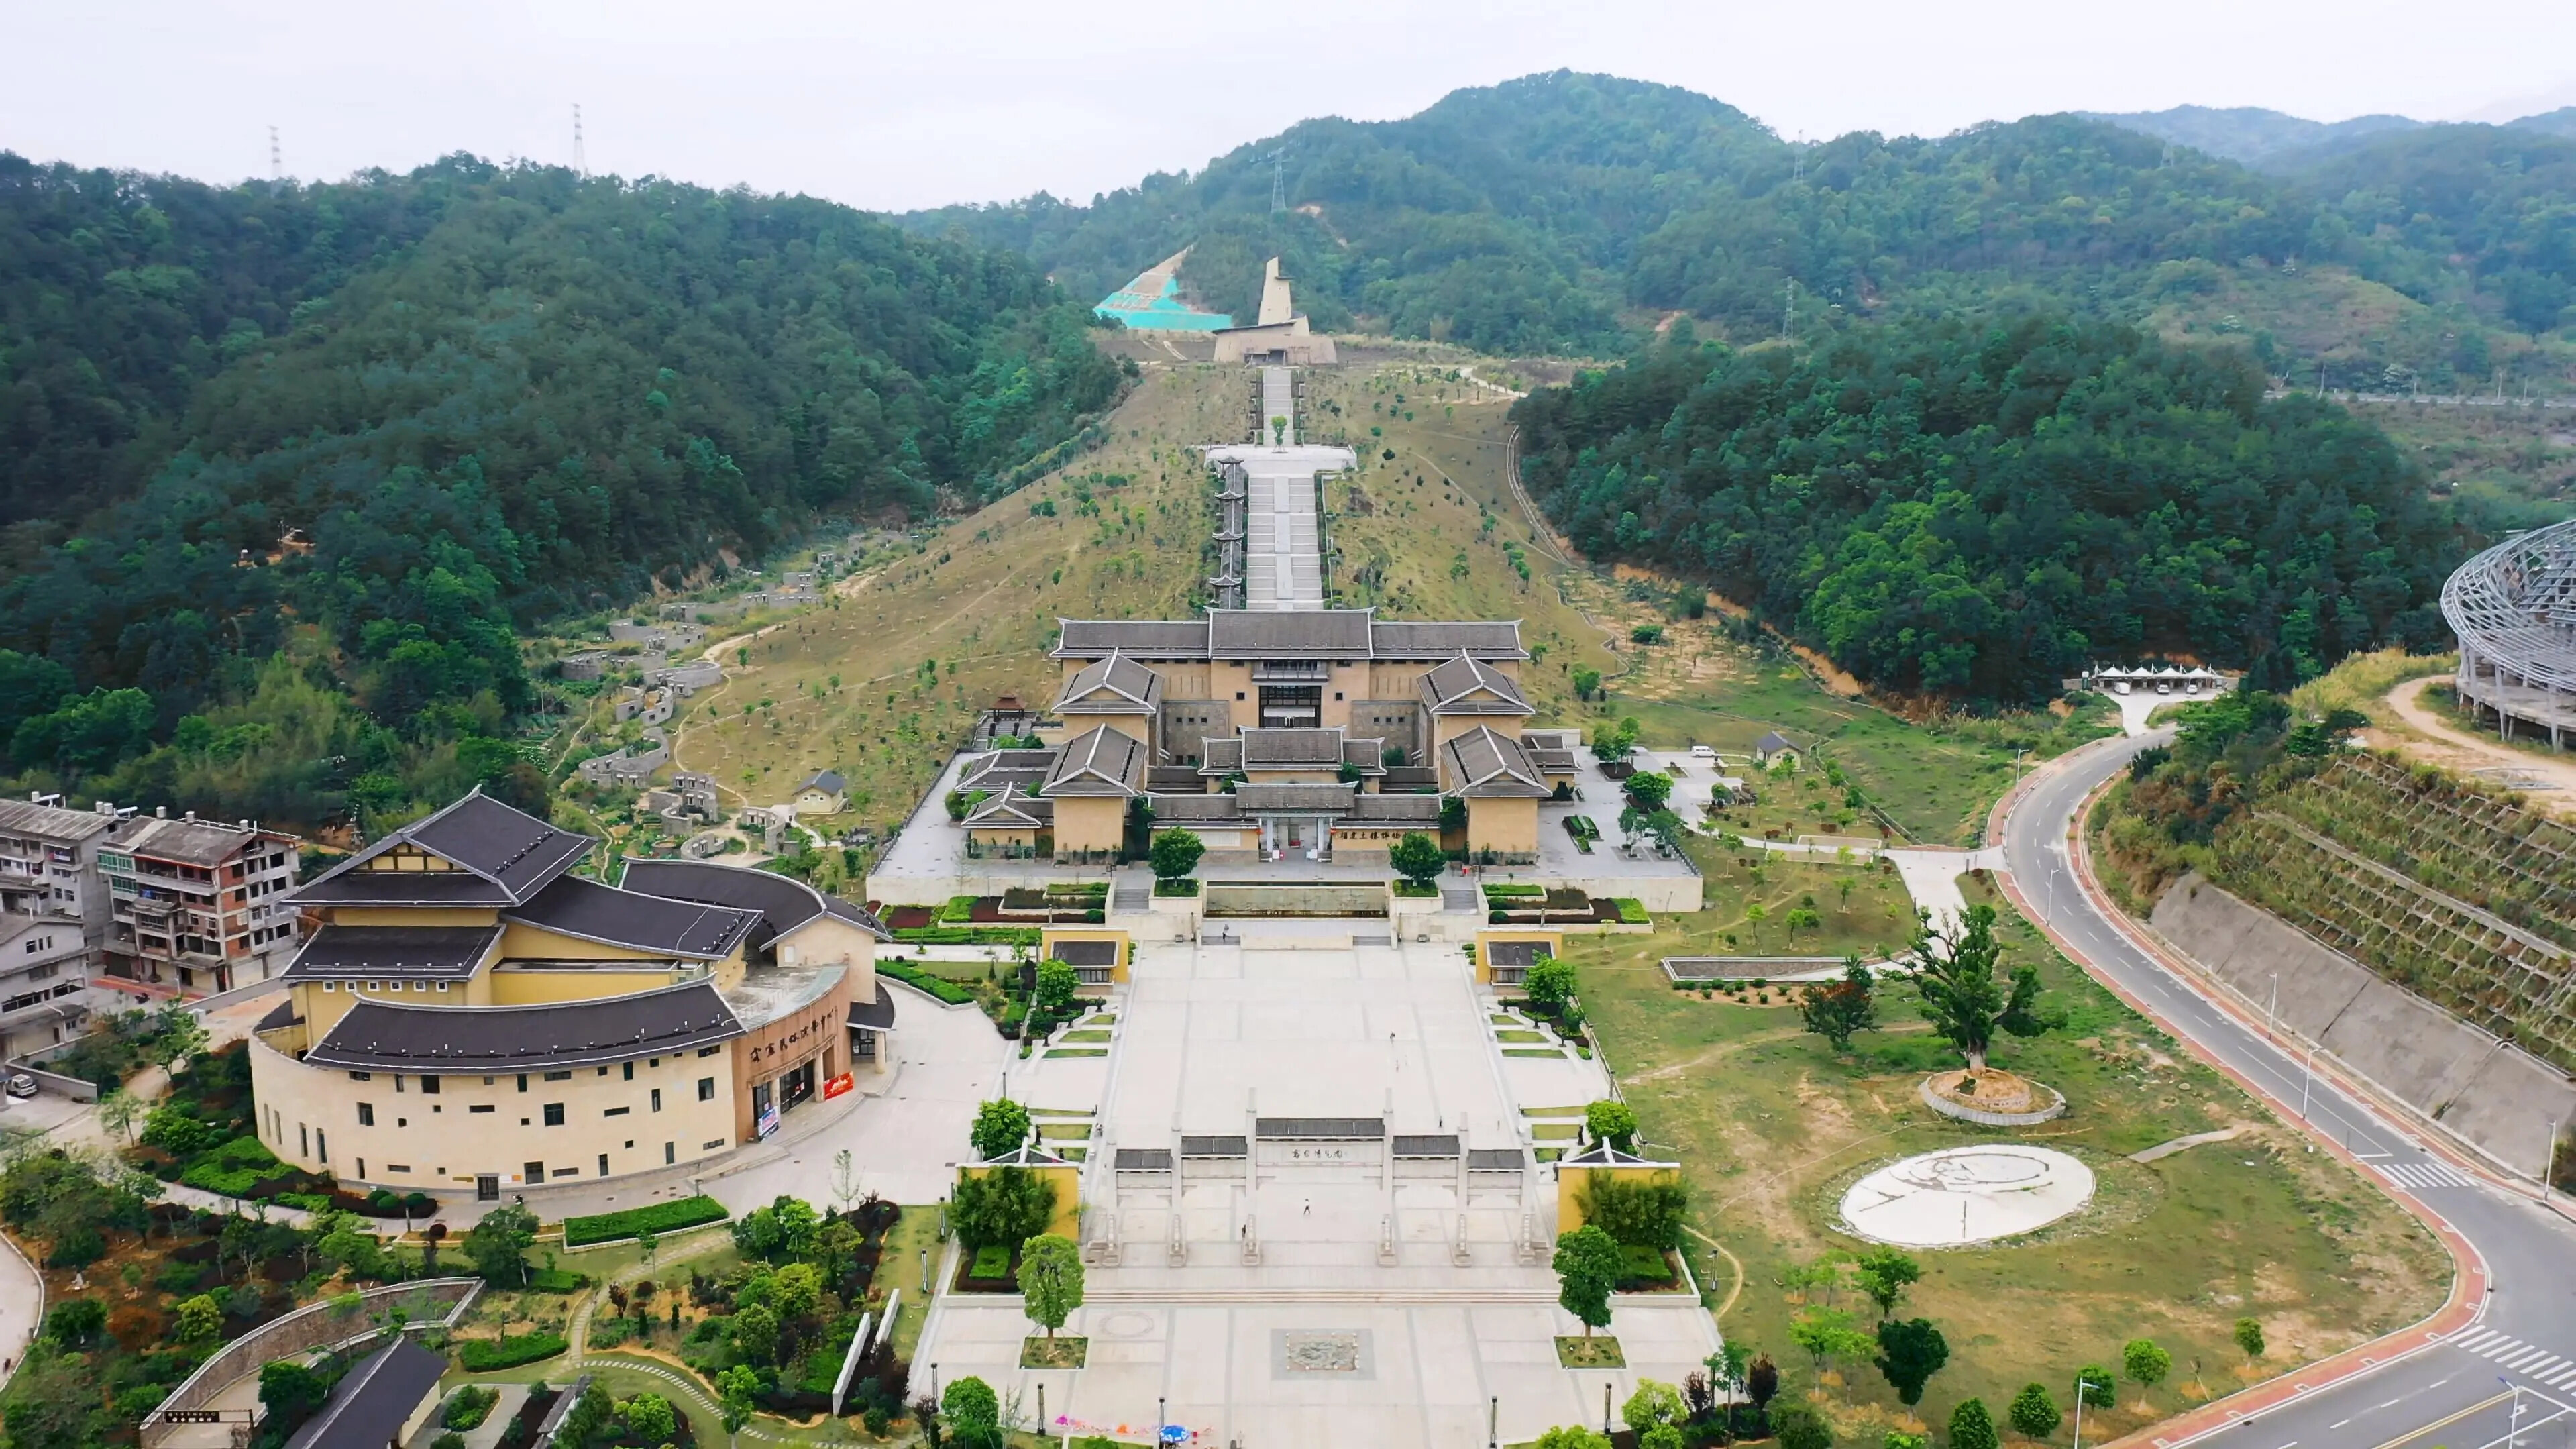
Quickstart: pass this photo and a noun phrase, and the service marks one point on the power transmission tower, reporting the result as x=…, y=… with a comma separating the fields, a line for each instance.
x=1279, y=179
x=1789, y=314
x=276, y=164
x=580, y=162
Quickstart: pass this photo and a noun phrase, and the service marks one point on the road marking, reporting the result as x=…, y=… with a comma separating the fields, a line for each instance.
x=2411, y=1435
x=2421, y=1174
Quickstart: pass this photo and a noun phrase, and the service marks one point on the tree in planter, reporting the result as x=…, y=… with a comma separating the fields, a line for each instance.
x=1051, y=1279
x=1835, y=1010
x=1587, y=1267
x=1650, y=790
x=1174, y=855
x=1550, y=984
x=2033, y=1413
x=1418, y=858
x=1612, y=1121
x=1955, y=977
x=1612, y=743
x=1910, y=1352
x=1000, y=1128
x=1006, y=1206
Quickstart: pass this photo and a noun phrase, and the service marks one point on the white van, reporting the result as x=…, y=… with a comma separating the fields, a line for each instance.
x=1703, y=752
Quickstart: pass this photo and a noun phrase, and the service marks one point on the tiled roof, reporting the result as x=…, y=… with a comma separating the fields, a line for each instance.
x=1484, y=764
x=1466, y=685
x=828, y=781
x=1334, y=798
x=1197, y=809
x=1772, y=743
x=784, y=902
x=503, y=858
x=1100, y=761
x=1368, y=754
x=382, y=1036
x=401, y=953
x=1289, y=634
x=1221, y=755
x=1115, y=685
x=1027, y=769
x=1272, y=747
x=1087, y=953
x=370, y=1404
x=1440, y=638
x=1011, y=808
x=191, y=842
x=1146, y=638
x=589, y=911
x=1395, y=809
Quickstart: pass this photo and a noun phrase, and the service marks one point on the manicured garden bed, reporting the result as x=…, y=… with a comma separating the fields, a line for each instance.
x=485, y=1355
x=920, y=980
x=661, y=1217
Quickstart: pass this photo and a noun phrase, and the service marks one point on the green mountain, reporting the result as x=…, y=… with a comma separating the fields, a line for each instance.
x=484, y=394
x=1977, y=512
x=1567, y=212
x=2246, y=133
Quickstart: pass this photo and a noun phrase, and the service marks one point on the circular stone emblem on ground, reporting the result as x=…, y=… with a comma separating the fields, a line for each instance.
x=1966, y=1195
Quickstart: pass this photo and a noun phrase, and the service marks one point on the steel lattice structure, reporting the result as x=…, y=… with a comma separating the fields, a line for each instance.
x=2513, y=609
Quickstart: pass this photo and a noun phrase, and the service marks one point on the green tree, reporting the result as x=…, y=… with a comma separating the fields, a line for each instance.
x=1174, y=854
x=1000, y=1127
x=1051, y=1279
x=1955, y=977
x=1653, y=1403
x=1550, y=983
x=1900, y=1439
x=2249, y=1337
x=649, y=1419
x=737, y=1397
x=1056, y=987
x=199, y=1319
x=75, y=1321
x=1910, y=1352
x=1005, y=1206
x=1650, y=790
x=1647, y=1213
x=1612, y=1121
x=755, y=1333
x=1417, y=857
x=1587, y=1268
x=1613, y=743
x=2145, y=1364
x=972, y=1411
x=117, y=1111
x=1828, y=1337
x=2033, y=1413
x=290, y=1392
x=1884, y=1274
x=2093, y=1385
x=1570, y=1436
x=1587, y=683
x=1971, y=1427
x=1796, y=1425
x=498, y=1245
x=1662, y=1436
x=1835, y=1010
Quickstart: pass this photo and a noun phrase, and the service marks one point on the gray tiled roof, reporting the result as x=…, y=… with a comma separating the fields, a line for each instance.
x=585, y=909
x=1288, y=633
x=381, y=1036
x=1339, y=1128
x=1318, y=798
x=784, y=903
x=1100, y=761
x=1485, y=764
x=1146, y=638
x=1221, y=755
x=1115, y=685
x=1196, y=809
x=1027, y=769
x=1395, y=809
x=1274, y=747
x=1440, y=638
x=401, y=953
x=1369, y=754
x=829, y=781
x=877, y=1015
x=1773, y=742
x=370, y=1404
x=1012, y=808
x=194, y=842
x=1087, y=953
x=504, y=858
x=1514, y=953
x=1465, y=685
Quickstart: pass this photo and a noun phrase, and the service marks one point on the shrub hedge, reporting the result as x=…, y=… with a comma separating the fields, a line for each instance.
x=938, y=986
x=967, y=935
x=660, y=1217
x=484, y=1355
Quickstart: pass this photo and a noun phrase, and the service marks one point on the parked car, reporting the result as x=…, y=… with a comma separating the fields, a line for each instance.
x=2164, y=686
x=1703, y=752
x=22, y=1085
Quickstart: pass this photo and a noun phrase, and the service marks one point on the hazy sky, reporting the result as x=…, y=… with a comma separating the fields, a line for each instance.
x=912, y=104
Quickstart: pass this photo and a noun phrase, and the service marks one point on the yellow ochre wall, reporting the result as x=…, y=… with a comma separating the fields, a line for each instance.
x=1554, y=941
x=1090, y=822
x=1508, y=824
x=1052, y=934
x=1067, y=1182
x=1133, y=726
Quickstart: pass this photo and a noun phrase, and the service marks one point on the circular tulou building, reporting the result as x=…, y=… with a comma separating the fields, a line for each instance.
x=2513, y=609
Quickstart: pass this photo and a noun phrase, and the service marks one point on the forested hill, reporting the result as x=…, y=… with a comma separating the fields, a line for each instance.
x=1977, y=513
x=483, y=394
x=1563, y=212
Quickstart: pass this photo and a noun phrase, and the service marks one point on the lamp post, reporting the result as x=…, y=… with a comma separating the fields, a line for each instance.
x=1494, y=1422
x=2080, y=1386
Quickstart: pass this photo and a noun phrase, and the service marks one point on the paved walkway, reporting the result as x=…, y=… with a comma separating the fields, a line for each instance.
x=2554, y=776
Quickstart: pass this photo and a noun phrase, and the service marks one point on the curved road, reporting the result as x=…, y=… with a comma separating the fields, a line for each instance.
x=2459, y=1391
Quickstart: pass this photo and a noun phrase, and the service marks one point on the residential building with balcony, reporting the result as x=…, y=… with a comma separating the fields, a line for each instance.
x=54, y=915
x=197, y=906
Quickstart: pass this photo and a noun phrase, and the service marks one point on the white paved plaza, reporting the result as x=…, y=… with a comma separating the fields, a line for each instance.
x=1324, y=1289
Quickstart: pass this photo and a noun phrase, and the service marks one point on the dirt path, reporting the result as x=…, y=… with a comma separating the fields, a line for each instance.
x=2447, y=745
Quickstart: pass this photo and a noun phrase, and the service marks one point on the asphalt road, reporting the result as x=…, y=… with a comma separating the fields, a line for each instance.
x=2509, y=1378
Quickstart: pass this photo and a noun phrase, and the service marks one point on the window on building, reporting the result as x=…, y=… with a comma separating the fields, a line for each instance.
x=615, y=1112
x=603, y=1164
x=670, y=1153
x=523, y=1081
x=362, y=1076
x=657, y=1099
x=558, y=1076
x=429, y=1085
x=484, y=1107
x=630, y=1071
x=366, y=1114
x=554, y=1114
x=706, y=1089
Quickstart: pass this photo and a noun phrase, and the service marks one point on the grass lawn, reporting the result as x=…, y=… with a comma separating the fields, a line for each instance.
x=1873, y=918
x=1771, y=1127
x=1598, y=1351
x=1080, y=1034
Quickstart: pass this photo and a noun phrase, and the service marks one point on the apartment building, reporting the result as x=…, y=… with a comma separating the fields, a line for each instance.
x=53, y=917
x=197, y=906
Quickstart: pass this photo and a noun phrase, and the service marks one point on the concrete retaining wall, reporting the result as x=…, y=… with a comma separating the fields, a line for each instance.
x=2497, y=1097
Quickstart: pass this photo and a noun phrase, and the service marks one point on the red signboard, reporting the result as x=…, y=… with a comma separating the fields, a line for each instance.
x=835, y=1086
